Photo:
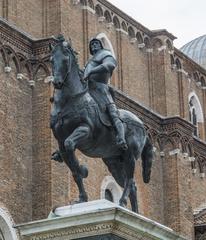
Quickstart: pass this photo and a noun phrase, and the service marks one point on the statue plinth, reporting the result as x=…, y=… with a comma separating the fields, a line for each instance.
x=96, y=220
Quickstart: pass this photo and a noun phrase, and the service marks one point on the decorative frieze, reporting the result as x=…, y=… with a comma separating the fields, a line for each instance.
x=101, y=219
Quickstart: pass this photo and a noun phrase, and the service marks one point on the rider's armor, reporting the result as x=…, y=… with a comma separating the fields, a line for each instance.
x=99, y=89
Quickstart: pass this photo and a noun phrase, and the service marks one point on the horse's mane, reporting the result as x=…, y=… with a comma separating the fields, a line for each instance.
x=67, y=46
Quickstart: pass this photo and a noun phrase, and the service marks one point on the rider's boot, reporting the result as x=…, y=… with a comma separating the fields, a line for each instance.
x=120, y=138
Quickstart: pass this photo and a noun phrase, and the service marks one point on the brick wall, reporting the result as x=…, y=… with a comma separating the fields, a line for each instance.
x=31, y=180
x=15, y=144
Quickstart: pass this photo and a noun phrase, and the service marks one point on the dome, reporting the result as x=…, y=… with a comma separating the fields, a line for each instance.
x=196, y=49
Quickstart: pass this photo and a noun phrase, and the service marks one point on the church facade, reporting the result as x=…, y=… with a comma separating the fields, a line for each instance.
x=154, y=80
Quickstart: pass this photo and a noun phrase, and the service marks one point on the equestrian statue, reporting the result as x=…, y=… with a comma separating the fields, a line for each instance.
x=84, y=116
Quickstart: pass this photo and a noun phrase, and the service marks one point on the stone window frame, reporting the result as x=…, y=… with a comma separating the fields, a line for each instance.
x=110, y=184
x=6, y=226
x=197, y=108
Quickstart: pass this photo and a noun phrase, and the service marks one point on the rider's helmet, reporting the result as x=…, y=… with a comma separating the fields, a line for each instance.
x=92, y=40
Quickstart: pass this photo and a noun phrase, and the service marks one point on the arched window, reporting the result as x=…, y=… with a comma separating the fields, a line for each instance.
x=139, y=37
x=195, y=113
x=169, y=44
x=131, y=32
x=98, y=10
x=108, y=195
x=110, y=190
x=124, y=26
x=91, y=4
x=116, y=22
x=107, y=16
x=147, y=42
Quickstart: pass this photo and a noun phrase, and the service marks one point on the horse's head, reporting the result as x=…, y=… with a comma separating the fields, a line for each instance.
x=61, y=59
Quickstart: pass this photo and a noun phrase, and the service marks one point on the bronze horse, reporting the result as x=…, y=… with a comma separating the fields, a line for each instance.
x=76, y=122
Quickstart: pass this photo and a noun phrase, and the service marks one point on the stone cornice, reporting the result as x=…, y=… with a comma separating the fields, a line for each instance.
x=163, y=32
x=153, y=119
x=125, y=17
x=189, y=61
x=21, y=41
x=199, y=147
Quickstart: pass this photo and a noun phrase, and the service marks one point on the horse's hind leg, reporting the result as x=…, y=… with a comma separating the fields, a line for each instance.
x=79, y=172
x=116, y=167
x=133, y=197
x=129, y=186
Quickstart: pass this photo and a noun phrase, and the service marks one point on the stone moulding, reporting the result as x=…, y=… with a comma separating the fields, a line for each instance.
x=101, y=218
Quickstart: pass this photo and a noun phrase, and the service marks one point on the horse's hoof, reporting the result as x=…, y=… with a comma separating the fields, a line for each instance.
x=122, y=203
x=84, y=171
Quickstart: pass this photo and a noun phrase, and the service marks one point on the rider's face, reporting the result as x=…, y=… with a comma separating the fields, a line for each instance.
x=95, y=46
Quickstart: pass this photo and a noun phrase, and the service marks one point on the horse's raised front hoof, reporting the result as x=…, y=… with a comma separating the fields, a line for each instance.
x=84, y=171
x=56, y=156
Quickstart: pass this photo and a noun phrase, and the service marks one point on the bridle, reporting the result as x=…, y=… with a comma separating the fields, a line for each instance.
x=65, y=78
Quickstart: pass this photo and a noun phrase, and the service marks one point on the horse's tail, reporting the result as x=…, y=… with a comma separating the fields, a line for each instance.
x=147, y=157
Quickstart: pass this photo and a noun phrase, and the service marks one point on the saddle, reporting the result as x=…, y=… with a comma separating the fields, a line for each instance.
x=104, y=116
x=102, y=111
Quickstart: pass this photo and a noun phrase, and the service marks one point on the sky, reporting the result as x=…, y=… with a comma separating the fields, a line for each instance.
x=185, y=19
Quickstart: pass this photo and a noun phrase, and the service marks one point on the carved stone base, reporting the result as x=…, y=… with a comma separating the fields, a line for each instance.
x=97, y=220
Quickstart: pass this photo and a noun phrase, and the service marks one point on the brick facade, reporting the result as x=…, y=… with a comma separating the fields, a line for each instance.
x=153, y=79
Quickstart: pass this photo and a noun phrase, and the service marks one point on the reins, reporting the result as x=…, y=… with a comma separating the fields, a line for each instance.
x=64, y=84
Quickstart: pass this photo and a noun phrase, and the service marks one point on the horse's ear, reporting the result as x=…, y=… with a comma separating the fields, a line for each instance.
x=51, y=46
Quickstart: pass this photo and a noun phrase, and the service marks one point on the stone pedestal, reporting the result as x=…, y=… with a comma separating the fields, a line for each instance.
x=96, y=220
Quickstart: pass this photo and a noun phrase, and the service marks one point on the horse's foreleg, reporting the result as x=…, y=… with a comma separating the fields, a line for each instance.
x=79, y=172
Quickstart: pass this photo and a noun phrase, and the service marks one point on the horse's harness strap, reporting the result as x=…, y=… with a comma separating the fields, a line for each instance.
x=77, y=113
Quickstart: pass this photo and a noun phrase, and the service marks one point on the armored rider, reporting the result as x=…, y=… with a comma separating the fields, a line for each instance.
x=98, y=71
